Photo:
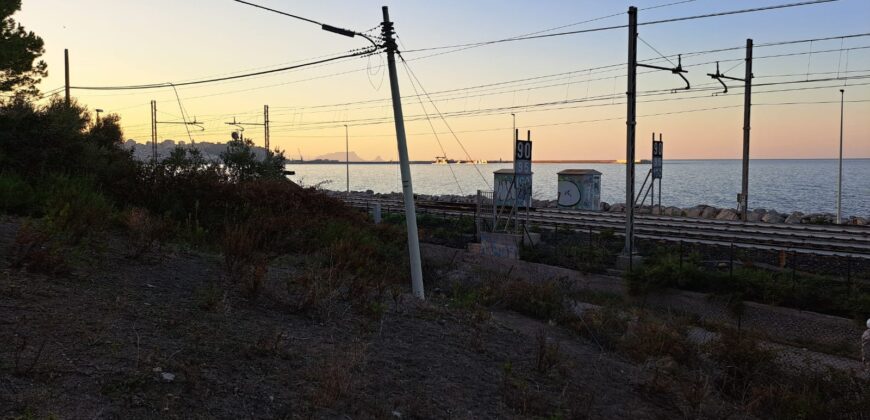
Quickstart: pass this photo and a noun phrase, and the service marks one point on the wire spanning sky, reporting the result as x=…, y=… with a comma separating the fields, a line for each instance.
x=569, y=90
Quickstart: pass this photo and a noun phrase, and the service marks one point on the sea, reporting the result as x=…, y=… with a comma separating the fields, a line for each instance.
x=784, y=185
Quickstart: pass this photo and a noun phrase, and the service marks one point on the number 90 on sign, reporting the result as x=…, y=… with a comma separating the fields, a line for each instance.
x=524, y=150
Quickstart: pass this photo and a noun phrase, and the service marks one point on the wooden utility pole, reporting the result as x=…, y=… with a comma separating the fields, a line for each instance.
x=66, y=75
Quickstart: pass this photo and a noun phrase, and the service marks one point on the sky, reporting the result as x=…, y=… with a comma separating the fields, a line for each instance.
x=556, y=89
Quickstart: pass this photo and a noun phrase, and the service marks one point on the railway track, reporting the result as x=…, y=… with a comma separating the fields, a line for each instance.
x=826, y=240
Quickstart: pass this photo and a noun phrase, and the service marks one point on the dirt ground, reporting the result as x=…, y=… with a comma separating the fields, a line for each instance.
x=135, y=338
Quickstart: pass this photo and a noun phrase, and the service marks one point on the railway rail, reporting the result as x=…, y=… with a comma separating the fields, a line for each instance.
x=824, y=240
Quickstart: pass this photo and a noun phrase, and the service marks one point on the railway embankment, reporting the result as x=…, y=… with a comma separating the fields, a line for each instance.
x=700, y=211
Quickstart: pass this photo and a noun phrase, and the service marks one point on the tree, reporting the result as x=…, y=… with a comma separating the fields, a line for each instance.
x=241, y=163
x=20, y=71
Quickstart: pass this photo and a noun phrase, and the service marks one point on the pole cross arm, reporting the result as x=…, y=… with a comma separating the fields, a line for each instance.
x=719, y=76
x=241, y=124
x=678, y=70
x=194, y=123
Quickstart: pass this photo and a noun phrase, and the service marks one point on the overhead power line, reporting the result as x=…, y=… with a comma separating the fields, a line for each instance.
x=553, y=105
x=280, y=12
x=221, y=79
x=608, y=28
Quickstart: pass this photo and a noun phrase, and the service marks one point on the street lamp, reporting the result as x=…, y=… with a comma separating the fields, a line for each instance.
x=840, y=178
x=98, y=115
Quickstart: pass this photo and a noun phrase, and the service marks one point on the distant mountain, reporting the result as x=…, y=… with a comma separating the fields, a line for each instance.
x=339, y=156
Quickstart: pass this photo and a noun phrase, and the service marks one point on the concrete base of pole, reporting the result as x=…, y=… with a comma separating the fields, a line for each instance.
x=625, y=261
x=376, y=213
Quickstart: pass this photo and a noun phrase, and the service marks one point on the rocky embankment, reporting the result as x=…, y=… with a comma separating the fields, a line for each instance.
x=701, y=211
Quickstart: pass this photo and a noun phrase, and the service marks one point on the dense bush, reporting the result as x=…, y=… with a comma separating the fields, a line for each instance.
x=78, y=180
x=17, y=196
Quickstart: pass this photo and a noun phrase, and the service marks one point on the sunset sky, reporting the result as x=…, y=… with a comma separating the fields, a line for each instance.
x=124, y=42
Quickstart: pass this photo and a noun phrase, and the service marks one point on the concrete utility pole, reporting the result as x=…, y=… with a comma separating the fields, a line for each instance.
x=840, y=178
x=747, y=108
x=630, y=125
x=66, y=75
x=407, y=188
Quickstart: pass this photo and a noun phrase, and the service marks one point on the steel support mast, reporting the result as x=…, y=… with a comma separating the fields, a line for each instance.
x=840, y=176
x=630, y=125
x=407, y=187
x=747, y=108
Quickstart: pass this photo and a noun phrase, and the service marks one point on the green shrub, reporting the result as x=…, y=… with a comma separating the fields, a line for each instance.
x=17, y=196
x=75, y=209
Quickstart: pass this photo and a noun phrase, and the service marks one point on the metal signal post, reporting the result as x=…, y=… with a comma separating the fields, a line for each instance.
x=407, y=188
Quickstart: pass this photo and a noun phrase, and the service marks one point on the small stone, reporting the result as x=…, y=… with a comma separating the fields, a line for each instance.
x=441, y=322
x=397, y=414
x=167, y=377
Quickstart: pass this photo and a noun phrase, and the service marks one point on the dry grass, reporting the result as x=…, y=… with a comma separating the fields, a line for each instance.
x=547, y=352
x=35, y=251
x=144, y=231
x=337, y=375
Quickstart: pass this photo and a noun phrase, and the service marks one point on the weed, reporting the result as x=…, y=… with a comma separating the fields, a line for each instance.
x=650, y=337
x=35, y=251
x=605, y=326
x=210, y=297
x=17, y=196
x=144, y=230
x=547, y=353
x=245, y=265
x=519, y=395
x=320, y=291
x=75, y=209
x=336, y=375
x=540, y=299
x=742, y=361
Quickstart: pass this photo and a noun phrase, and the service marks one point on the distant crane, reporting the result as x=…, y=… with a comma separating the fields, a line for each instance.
x=300, y=155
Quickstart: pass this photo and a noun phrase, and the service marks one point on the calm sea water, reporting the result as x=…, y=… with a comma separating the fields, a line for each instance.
x=784, y=185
